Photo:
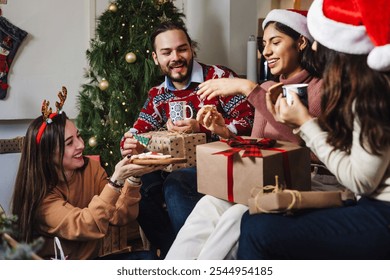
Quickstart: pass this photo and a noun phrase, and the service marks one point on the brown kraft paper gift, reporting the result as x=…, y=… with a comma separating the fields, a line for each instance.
x=287, y=200
x=178, y=145
x=13, y=145
x=249, y=172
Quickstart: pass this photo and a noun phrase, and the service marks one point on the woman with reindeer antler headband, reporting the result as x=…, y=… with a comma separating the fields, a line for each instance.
x=60, y=193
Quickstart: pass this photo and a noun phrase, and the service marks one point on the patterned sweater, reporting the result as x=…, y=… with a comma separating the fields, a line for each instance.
x=236, y=110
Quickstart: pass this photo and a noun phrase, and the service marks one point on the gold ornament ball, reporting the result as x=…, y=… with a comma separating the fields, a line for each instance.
x=131, y=57
x=103, y=85
x=113, y=7
x=92, y=141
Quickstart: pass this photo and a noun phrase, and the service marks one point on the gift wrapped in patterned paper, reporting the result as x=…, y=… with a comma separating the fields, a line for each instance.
x=178, y=145
x=13, y=145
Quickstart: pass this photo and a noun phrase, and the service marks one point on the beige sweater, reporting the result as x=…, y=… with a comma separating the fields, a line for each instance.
x=80, y=214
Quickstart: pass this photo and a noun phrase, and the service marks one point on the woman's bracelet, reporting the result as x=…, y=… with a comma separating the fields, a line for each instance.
x=115, y=183
x=134, y=180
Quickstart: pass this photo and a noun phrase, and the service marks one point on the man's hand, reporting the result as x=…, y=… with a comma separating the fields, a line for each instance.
x=184, y=126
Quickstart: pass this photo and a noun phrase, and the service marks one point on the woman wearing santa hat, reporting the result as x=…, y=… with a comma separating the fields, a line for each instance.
x=212, y=229
x=352, y=138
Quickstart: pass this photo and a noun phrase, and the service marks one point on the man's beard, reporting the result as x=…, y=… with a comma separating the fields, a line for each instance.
x=181, y=78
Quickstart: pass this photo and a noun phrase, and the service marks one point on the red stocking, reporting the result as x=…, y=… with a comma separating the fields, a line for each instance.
x=10, y=39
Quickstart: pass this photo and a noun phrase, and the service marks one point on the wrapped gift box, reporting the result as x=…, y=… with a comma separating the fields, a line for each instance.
x=13, y=145
x=122, y=239
x=179, y=145
x=289, y=200
x=234, y=179
x=114, y=241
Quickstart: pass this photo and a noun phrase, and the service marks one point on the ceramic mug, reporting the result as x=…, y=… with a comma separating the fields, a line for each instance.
x=299, y=89
x=178, y=111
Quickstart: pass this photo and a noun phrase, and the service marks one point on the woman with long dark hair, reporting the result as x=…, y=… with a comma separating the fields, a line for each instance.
x=212, y=229
x=351, y=137
x=60, y=193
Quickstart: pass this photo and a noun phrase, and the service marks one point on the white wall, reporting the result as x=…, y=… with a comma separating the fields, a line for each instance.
x=52, y=55
x=222, y=29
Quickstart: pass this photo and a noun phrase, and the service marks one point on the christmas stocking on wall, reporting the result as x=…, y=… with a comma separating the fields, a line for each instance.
x=10, y=39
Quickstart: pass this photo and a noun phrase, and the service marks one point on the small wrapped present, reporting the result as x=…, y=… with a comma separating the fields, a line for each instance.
x=114, y=241
x=273, y=199
x=13, y=145
x=178, y=145
x=229, y=170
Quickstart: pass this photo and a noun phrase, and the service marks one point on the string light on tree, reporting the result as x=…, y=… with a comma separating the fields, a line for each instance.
x=92, y=142
x=103, y=85
x=130, y=57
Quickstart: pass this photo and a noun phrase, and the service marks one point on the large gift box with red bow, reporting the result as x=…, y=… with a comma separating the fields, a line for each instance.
x=178, y=145
x=230, y=169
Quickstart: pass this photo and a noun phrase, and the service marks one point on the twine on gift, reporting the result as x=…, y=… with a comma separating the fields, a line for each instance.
x=179, y=135
x=296, y=197
x=165, y=128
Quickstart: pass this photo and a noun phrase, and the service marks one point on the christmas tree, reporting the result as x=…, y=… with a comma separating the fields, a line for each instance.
x=120, y=74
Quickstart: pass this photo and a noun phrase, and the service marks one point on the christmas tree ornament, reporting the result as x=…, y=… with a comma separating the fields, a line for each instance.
x=103, y=85
x=131, y=57
x=113, y=7
x=92, y=142
x=161, y=2
x=163, y=18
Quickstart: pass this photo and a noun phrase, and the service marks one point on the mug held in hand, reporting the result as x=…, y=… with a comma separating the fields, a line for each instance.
x=299, y=89
x=178, y=111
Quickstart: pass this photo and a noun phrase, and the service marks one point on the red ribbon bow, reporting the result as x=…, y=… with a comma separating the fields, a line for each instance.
x=251, y=147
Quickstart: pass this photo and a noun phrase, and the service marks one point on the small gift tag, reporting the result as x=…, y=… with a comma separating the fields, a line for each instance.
x=144, y=141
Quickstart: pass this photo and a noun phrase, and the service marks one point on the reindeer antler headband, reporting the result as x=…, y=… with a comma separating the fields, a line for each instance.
x=47, y=114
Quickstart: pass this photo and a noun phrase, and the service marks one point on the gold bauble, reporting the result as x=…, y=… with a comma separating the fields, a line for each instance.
x=131, y=57
x=92, y=141
x=103, y=85
x=113, y=7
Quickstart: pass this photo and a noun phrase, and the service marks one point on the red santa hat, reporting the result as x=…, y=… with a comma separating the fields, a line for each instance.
x=353, y=27
x=295, y=19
